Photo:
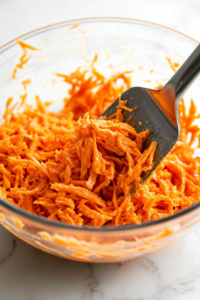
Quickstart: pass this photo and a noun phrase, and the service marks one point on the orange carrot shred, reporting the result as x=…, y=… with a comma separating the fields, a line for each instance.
x=24, y=58
x=171, y=64
x=25, y=82
x=72, y=167
x=74, y=26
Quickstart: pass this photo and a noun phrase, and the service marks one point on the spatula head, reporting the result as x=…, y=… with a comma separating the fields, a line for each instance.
x=152, y=113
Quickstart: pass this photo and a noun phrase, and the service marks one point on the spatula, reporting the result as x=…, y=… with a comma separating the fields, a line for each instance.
x=157, y=110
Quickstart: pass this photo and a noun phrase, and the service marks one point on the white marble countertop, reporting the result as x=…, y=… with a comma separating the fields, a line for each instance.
x=29, y=274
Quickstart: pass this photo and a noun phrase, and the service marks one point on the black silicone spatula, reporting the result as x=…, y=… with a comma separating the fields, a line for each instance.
x=157, y=110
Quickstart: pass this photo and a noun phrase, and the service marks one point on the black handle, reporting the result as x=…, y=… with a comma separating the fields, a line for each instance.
x=186, y=74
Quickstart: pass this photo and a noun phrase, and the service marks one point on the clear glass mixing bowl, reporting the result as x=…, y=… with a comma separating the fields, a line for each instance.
x=121, y=45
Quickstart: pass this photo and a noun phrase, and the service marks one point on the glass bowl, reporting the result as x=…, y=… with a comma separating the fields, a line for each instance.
x=121, y=45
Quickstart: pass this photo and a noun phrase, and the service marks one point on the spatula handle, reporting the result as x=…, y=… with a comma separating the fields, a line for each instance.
x=186, y=74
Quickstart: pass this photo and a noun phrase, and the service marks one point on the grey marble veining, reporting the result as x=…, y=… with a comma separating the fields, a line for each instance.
x=29, y=274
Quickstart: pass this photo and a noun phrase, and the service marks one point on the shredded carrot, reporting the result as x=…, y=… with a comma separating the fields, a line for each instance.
x=25, y=82
x=176, y=65
x=159, y=86
x=74, y=26
x=75, y=168
x=24, y=58
x=173, y=66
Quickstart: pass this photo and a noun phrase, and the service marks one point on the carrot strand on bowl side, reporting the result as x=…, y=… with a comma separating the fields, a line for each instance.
x=24, y=58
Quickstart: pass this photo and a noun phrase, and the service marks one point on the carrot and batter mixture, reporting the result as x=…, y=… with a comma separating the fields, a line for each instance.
x=75, y=168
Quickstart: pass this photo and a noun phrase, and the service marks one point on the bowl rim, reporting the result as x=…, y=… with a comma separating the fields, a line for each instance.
x=61, y=225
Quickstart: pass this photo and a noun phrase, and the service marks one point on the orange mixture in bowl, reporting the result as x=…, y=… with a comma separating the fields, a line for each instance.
x=75, y=168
